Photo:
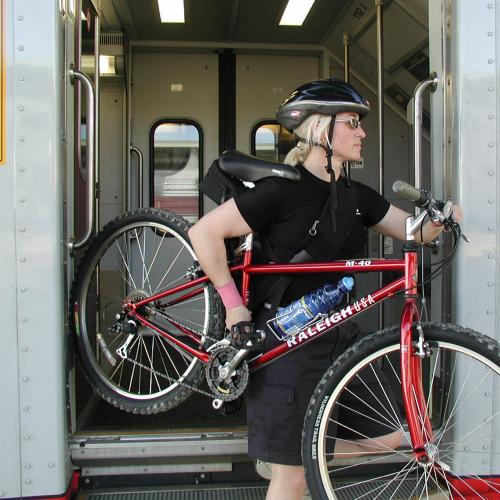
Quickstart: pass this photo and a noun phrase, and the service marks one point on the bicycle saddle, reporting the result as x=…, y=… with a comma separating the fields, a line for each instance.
x=250, y=169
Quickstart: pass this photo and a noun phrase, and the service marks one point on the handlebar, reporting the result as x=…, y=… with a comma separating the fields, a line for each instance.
x=438, y=211
x=420, y=197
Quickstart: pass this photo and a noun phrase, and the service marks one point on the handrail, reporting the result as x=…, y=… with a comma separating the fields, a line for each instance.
x=140, y=157
x=417, y=126
x=89, y=157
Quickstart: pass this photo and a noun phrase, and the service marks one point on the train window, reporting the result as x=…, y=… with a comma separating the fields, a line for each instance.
x=270, y=141
x=176, y=165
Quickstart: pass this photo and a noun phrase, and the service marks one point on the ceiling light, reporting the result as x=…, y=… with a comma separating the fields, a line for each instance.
x=295, y=12
x=107, y=65
x=171, y=11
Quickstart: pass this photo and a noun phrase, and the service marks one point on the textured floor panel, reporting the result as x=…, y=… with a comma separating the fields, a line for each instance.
x=243, y=493
x=381, y=490
x=402, y=491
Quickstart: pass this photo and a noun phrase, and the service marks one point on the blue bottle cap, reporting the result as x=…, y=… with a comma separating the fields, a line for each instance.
x=348, y=282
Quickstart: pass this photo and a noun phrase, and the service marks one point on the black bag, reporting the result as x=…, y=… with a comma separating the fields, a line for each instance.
x=219, y=186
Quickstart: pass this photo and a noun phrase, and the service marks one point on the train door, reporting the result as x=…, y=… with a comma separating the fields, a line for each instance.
x=174, y=122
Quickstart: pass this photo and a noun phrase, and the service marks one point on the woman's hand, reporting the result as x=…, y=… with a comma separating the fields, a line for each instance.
x=237, y=314
x=457, y=214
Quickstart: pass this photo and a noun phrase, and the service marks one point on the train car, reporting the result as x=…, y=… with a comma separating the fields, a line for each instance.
x=107, y=106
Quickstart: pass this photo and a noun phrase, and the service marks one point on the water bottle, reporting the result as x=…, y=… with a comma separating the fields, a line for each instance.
x=290, y=319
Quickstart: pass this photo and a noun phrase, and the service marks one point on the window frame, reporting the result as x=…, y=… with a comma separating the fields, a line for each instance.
x=253, y=135
x=177, y=121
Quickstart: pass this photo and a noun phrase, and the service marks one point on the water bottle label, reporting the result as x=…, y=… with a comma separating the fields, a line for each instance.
x=292, y=319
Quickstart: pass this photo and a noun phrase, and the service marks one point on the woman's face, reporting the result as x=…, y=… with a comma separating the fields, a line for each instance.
x=346, y=139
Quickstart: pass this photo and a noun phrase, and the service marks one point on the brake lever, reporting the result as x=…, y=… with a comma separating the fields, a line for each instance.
x=451, y=222
x=445, y=216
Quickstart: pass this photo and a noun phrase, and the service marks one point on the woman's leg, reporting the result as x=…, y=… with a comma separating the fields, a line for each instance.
x=378, y=444
x=288, y=482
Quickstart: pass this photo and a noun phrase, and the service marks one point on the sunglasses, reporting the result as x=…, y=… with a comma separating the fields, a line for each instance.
x=353, y=122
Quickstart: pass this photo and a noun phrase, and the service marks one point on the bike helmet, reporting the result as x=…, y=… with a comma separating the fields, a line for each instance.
x=325, y=97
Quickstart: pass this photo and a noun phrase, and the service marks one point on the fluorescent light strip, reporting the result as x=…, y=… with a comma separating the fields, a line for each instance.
x=295, y=12
x=171, y=11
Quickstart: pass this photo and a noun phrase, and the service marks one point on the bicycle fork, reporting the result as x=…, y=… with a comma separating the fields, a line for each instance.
x=411, y=356
x=416, y=410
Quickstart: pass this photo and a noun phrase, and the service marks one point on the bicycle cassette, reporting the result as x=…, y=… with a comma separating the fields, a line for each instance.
x=230, y=386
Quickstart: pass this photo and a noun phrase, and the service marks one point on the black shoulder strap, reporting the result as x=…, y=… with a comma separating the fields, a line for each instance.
x=324, y=244
x=321, y=244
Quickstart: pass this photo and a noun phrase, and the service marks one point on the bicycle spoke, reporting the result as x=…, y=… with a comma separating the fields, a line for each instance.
x=141, y=253
x=389, y=403
x=151, y=364
x=166, y=273
x=410, y=469
x=384, y=424
x=382, y=446
x=383, y=455
x=126, y=266
x=456, y=409
x=370, y=407
x=378, y=478
x=438, y=483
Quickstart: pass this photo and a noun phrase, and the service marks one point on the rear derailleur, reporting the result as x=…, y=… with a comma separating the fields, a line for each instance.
x=127, y=326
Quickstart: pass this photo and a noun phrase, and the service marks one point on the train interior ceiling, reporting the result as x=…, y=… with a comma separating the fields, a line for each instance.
x=181, y=93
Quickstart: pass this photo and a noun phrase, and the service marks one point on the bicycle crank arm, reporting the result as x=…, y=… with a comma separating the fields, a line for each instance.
x=227, y=371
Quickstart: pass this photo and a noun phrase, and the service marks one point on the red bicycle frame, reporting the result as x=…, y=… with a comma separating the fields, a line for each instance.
x=413, y=396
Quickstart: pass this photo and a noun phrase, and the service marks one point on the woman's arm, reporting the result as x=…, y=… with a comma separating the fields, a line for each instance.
x=207, y=237
x=394, y=222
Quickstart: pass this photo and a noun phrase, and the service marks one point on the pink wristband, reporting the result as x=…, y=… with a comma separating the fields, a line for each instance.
x=230, y=295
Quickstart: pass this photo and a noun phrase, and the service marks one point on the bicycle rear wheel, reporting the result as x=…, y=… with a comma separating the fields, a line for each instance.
x=461, y=383
x=136, y=256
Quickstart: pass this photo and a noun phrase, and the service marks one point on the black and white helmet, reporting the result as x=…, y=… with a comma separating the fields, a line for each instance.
x=325, y=97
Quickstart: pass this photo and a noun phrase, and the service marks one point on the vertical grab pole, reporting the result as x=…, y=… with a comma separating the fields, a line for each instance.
x=346, y=40
x=97, y=80
x=89, y=157
x=140, y=159
x=379, y=4
x=417, y=126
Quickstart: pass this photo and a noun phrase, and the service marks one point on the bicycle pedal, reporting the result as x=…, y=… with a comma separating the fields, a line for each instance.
x=243, y=335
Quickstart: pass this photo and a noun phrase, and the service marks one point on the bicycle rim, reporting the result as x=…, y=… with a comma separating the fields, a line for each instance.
x=138, y=260
x=465, y=448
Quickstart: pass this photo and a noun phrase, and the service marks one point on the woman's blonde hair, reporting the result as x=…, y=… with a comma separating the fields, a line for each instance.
x=312, y=131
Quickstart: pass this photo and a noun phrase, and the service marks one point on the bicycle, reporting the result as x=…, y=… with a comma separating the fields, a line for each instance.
x=149, y=328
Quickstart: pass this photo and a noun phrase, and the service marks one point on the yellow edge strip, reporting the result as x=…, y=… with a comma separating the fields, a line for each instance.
x=2, y=83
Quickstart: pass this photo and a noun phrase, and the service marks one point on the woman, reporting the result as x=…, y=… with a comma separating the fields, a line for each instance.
x=325, y=117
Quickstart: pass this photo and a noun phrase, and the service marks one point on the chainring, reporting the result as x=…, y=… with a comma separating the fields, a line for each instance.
x=226, y=390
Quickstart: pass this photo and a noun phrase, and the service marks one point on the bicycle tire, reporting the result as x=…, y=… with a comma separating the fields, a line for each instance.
x=464, y=445
x=135, y=256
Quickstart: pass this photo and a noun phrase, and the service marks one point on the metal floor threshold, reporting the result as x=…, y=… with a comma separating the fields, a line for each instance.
x=408, y=489
x=188, y=493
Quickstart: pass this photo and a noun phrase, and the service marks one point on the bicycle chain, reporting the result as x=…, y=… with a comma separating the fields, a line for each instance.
x=210, y=395
x=180, y=322
x=172, y=379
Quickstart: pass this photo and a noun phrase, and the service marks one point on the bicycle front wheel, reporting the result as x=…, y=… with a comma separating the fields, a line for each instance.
x=356, y=444
x=135, y=257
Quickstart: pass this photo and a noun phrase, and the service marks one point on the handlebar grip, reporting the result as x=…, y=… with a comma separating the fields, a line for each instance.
x=419, y=197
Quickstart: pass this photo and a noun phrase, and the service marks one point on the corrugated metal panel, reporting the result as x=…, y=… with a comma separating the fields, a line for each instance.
x=402, y=490
x=233, y=493
x=382, y=490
